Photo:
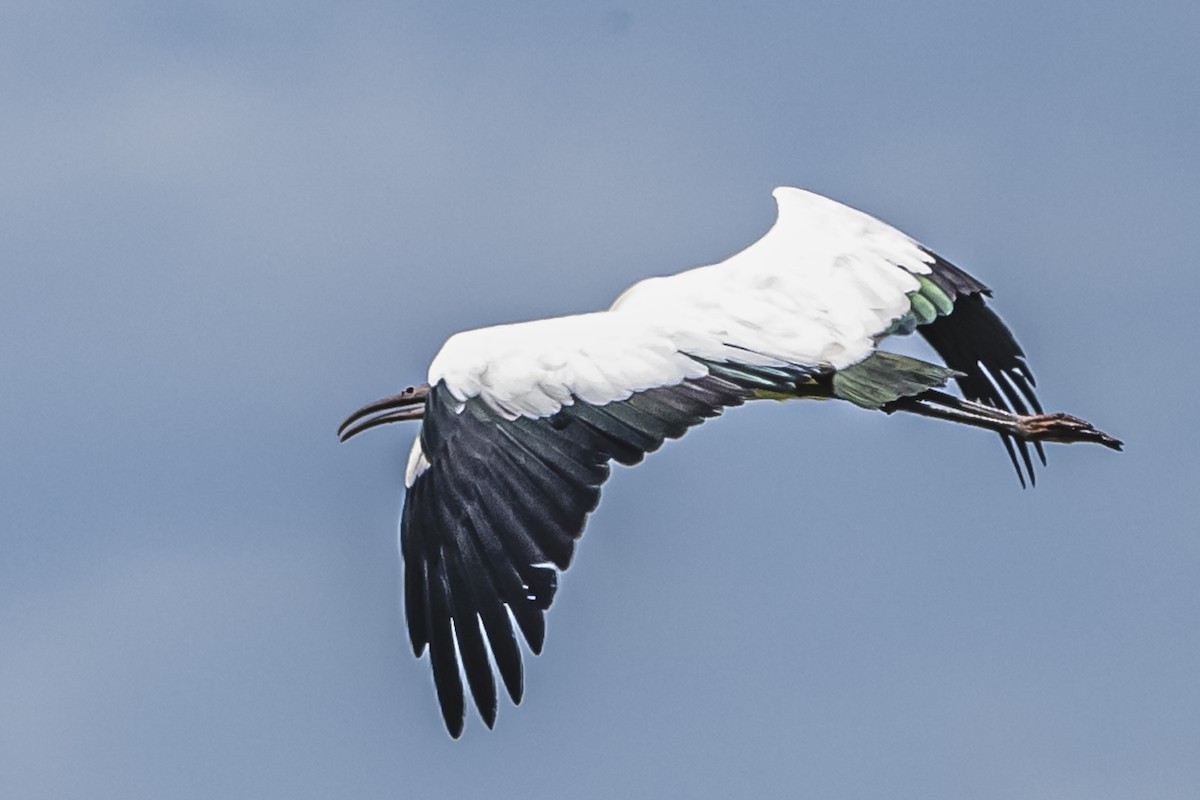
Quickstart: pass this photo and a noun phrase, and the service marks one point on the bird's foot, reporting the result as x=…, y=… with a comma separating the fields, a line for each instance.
x=1063, y=428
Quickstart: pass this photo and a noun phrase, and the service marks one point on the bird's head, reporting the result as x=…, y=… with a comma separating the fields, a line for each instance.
x=409, y=404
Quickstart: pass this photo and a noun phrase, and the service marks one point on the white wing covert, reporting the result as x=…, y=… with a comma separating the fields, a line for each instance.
x=820, y=288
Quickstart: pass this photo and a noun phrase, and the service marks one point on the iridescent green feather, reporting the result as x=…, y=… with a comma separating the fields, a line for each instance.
x=933, y=293
x=764, y=381
x=925, y=305
x=883, y=377
x=922, y=309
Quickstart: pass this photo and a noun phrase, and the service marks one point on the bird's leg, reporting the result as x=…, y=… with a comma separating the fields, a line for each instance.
x=1026, y=427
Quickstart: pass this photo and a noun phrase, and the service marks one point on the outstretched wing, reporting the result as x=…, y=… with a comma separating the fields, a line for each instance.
x=493, y=511
x=826, y=284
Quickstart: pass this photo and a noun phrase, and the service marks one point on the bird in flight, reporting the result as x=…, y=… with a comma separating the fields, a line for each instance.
x=519, y=422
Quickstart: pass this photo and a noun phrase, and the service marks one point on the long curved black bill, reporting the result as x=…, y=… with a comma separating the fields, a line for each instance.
x=408, y=405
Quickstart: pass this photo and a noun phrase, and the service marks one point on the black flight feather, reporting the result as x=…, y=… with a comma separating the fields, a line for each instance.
x=502, y=500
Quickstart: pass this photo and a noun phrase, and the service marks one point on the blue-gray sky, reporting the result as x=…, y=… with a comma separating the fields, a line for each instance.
x=225, y=225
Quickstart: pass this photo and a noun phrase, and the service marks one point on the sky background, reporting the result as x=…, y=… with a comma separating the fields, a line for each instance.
x=225, y=225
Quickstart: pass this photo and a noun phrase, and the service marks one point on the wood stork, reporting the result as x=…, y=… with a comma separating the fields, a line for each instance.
x=521, y=421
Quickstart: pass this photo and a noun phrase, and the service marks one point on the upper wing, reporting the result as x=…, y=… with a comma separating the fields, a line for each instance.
x=825, y=284
x=819, y=288
x=493, y=510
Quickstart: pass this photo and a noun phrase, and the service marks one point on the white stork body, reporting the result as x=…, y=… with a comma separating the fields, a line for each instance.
x=520, y=421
